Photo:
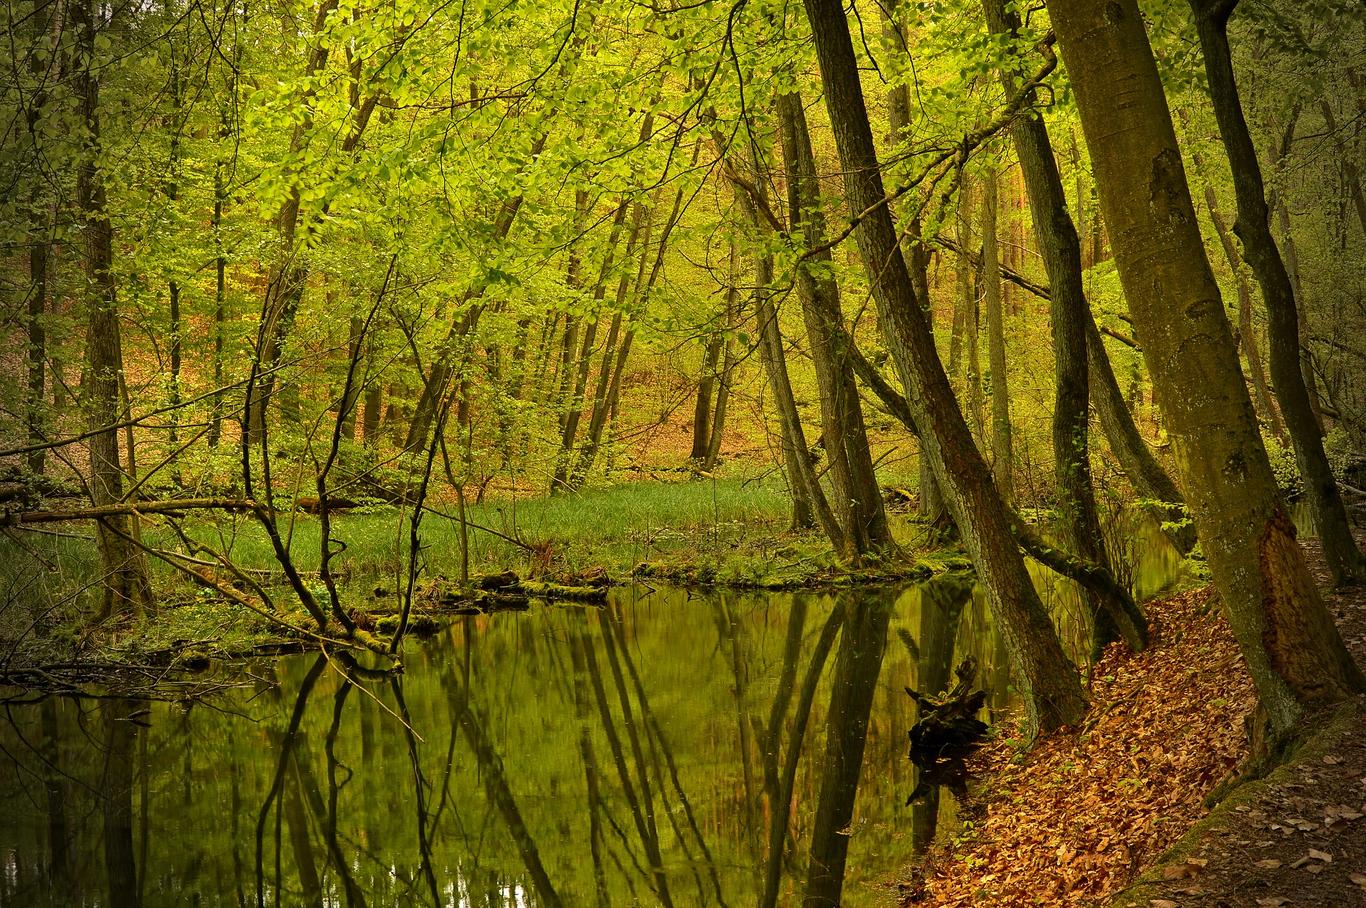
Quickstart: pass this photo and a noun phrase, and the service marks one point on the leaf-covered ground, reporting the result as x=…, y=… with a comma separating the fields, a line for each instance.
x=1071, y=821
x=1296, y=838
x=1079, y=817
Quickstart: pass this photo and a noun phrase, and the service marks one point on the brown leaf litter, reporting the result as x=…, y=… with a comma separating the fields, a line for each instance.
x=1072, y=820
x=1076, y=819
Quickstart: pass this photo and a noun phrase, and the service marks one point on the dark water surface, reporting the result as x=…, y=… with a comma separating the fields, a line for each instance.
x=640, y=753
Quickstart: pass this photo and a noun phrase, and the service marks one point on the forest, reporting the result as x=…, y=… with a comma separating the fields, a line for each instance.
x=683, y=452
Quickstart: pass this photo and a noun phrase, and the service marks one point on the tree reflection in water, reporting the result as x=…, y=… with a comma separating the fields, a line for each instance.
x=725, y=749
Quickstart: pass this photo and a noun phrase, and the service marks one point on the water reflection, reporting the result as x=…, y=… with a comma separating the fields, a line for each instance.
x=667, y=749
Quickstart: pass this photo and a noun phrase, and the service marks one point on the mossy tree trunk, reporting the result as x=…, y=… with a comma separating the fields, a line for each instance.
x=857, y=500
x=1253, y=227
x=1060, y=249
x=1048, y=680
x=1292, y=647
x=126, y=587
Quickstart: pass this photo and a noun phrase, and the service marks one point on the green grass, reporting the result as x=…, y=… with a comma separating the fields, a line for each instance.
x=730, y=530
x=613, y=529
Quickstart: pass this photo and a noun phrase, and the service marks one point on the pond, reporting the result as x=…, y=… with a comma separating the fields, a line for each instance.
x=670, y=748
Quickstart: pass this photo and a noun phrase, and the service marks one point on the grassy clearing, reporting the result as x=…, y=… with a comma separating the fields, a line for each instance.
x=613, y=529
x=727, y=530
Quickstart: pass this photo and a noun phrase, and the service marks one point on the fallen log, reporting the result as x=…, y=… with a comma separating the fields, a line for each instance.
x=172, y=508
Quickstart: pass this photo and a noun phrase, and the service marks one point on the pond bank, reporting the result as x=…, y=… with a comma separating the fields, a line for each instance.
x=716, y=534
x=1070, y=821
x=1083, y=815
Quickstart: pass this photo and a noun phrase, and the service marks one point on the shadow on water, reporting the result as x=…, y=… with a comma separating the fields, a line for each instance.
x=671, y=748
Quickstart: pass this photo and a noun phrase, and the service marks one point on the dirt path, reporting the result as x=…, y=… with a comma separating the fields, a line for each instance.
x=1295, y=838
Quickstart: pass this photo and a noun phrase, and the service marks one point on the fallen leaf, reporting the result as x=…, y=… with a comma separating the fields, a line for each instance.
x=1320, y=855
x=1268, y=864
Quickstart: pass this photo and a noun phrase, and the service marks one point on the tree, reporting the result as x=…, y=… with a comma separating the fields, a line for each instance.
x=1002, y=458
x=1070, y=314
x=1253, y=227
x=125, y=583
x=1293, y=650
x=1052, y=691
x=857, y=499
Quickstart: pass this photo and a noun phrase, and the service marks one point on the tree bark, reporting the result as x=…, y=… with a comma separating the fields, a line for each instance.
x=1288, y=638
x=1253, y=227
x=289, y=274
x=126, y=587
x=615, y=348
x=220, y=267
x=582, y=361
x=1052, y=692
x=809, y=504
x=1002, y=456
x=1247, y=335
x=1156, y=490
x=931, y=505
x=174, y=124
x=706, y=384
x=1060, y=249
x=35, y=402
x=857, y=497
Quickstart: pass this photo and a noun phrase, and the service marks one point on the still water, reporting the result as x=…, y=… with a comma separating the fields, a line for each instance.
x=671, y=748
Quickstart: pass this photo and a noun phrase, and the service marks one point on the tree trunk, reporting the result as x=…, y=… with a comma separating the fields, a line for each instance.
x=1253, y=227
x=1287, y=636
x=573, y=414
x=1061, y=251
x=931, y=505
x=701, y=420
x=1292, y=267
x=964, y=305
x=613, y=348
x=220, y=267
x=355, y=353
x=1052, y=691
x=453, y=354
x=289, y=274
x=370, y=421
x=39, y=239
x=1002, y=458
x=1247, y=335
x=858, y=499
x=1350, y=171
x=707, y=385
x=809, y=505
x=35, y=402
x=174, y=125
x=724, y=380
x=126, y=588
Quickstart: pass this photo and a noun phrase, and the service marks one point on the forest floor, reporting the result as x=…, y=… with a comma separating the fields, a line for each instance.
x=1085, y=813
